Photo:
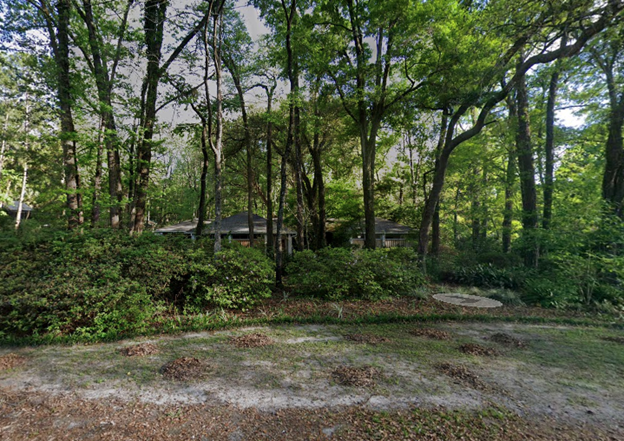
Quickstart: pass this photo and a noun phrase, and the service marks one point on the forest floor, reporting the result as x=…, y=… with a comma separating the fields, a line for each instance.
x=441, y=380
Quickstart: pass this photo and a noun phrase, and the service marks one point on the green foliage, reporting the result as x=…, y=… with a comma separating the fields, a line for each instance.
x=339, y=273
x=105, y=283
x=237, y=277
x=482, y=275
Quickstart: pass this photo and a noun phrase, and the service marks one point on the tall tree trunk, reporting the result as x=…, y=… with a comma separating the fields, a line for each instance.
x=236, y=77
x=510, y=181
x=201, y=211
x=154, y=18
x=20, y=203
x=97, y=183
x=435, y=232
x=269, y=168
x=70, y=163
x=298, y=166
x=510, y=177
x=3, y=148
x=103, y=81
x=527, y=176
x=218, y=143
x=613, y=178
x=289, y=14
x=549, y=150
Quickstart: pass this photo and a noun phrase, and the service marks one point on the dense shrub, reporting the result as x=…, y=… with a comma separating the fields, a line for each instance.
x=339, y=273
x=237, y=278
x=106, y=283
x=482, y=275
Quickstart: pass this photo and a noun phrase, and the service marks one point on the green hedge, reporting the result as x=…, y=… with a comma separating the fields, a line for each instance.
x=339, y=273
x=106, y=283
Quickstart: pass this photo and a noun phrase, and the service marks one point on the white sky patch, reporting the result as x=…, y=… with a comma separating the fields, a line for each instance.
x=569, y=118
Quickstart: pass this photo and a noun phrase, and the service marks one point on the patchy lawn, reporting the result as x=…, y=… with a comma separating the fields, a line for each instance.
x=521, y=382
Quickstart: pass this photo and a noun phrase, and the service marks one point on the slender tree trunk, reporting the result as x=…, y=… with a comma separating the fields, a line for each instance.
x=510, y=181
x=154, y=18
x=218, y=143
x=70, y=163
x=549, y=150
x=104, y=87
x=321, y=215
x=299, y=168
x=20, y=203
x=527, y=176
x=201, y=211
x=269, y=167
x=97, y=183
x=613, y=178
x=435, y=232
x=3, y=148
x=289, y=14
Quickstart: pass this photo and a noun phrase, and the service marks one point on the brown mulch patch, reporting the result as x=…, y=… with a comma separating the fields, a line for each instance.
x=139, y=350
x=11, y=361
x=431, y=333
x=619, y=340
x=463, y=375
x=254, y=340
x=475, y=349
x=508, y=340
x=359, y=377
x=371, y=339
x=184, y=369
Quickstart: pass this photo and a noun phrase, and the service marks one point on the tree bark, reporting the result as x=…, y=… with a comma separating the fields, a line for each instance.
x=236, y=78
x=218, y=143
x=549, y=150
x=68, y=134
x=103, y=81
x=613, y=178
x=154, y=18
x=269, y=169
x=527, y=176
x=97, y=182
x=20, y=203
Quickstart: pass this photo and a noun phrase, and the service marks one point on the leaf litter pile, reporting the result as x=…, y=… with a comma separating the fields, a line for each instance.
x=359, y=377
x=184, y=369
x=370, y=339
x=139, y=350
x=431, y=333
x=475, y=349
x=254, y=340
x=11, y=361
x=463, y=375
x=508, y=340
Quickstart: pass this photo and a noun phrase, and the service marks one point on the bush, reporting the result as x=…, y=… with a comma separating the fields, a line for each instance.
x=238, y=277
x=483, y=275
x=104, y=282
x=339, y=273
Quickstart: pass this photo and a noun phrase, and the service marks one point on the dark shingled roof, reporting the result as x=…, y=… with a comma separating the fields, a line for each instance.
x=14, y=206
x=385, y=226
x=237, y=224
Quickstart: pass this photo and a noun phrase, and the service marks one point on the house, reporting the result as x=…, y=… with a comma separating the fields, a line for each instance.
x=234, y=228
x=388, y=234
x=11, y=209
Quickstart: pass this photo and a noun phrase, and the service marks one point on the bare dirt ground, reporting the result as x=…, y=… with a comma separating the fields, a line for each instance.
x=559, y=383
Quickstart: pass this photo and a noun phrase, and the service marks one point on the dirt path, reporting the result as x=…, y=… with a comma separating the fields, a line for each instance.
x=479, y=381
